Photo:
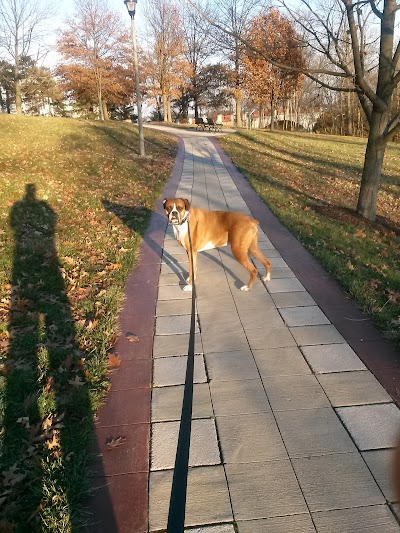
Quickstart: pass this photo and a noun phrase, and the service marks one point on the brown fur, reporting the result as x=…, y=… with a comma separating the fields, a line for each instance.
x=218, y=228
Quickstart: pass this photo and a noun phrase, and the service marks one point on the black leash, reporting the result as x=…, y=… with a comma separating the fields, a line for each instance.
x=177, y=504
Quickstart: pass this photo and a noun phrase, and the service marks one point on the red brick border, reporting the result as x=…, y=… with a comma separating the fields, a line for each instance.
x=121, y=476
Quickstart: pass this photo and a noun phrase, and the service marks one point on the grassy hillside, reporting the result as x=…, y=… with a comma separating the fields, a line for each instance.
x=74, y=203
x=311, y=183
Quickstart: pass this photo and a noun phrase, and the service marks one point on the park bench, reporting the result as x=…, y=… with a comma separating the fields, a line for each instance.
x=213, y=126
x=207, y=124
x=200, y=124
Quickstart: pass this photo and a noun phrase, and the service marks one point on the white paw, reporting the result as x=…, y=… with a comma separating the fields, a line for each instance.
x=267, y=277
x=244, y=288
x=188, y=288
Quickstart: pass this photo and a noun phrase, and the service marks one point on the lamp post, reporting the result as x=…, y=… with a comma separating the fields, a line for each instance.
x=131, y=7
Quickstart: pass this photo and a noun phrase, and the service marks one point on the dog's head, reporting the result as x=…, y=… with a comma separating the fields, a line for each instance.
x=176, y=209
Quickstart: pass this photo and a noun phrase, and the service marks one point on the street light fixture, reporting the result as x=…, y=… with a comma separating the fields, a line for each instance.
x=131, y=7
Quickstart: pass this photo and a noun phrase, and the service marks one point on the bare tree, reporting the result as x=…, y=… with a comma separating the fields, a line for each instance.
x=198, y=47
x=21, y=29
x=337, y=31
x=167, y=43
x=233, y=17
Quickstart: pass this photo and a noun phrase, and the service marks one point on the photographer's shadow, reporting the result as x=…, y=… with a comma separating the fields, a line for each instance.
x=47, y=415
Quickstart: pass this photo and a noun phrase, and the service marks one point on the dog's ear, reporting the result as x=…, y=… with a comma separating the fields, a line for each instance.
x=187, y=204
x=164, y=202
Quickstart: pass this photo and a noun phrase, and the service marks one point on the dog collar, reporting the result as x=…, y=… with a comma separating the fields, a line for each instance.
x=185, y=219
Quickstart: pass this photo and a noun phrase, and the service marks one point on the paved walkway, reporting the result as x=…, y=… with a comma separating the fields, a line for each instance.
x=291, y=431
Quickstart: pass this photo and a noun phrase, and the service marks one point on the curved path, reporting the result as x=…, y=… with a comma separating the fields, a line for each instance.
x=292, y=431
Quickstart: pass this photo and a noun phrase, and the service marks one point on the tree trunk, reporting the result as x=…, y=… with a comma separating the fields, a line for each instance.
x=105, y=111
x=373, y=161
x=271, y=127
x=165, y=106
x=238, y=102
x=17, y=82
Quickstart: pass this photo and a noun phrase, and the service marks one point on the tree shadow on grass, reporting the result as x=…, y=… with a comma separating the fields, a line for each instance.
x=47, y=424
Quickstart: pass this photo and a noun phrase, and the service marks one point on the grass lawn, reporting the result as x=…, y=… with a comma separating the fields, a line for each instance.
x=74, y=203
x=311, y=182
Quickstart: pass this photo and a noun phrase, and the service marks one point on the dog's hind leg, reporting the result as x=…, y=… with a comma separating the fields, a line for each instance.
x=242, y=258
x=256, y=252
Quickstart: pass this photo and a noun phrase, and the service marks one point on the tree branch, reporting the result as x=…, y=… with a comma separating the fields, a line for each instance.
x=277, y=64
x=378, y=13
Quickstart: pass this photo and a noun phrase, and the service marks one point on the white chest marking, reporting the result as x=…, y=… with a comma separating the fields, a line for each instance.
x=209, y=246
x=180, y=233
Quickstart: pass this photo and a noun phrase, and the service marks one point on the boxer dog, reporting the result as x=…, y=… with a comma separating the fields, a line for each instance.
x=211, y=229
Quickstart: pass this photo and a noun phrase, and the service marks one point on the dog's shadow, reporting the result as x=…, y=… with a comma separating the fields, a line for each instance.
x=137, y=219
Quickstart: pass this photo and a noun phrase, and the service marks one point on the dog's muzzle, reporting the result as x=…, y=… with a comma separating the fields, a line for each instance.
x=174, y=218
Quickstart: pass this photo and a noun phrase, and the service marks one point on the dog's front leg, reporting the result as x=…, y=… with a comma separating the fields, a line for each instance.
x=192, y=271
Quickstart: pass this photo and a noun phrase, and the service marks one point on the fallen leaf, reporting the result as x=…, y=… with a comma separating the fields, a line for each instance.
x=114, y=442
x=54, y=442
x=68, y=362
x=360, y=234
x=49, y=384
x=350, y=265
x=76, y=382
x=47, y=422
x=114, y=361
x=12, y=477
x=132, y=337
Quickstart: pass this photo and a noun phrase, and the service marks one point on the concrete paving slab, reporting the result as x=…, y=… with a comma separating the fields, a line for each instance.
x=381, y=462
x=281, y=273
x=304, y=316
x=231, y=366
x=177, y=307
x=377, y=519
x=170, y=371
x=250, y=438
x=284, y=285
x=213, y=323
x=311, y=335
x=173, y=292
x=295, y=392
x=241, y=397
x=308, y=432
x=174, y=325
x=207, y=497
x=203, y=444
x=269, y=338
x=372, y=426
x=292, y=299
x=278, y=262
x=225, y=341
x=287, y=361
x=261, y=490
x=171, y=279
x=347, y=482
x=353, y=388
x=166, y=403
x=254, y=320
x=223, y=528
x=179, y=267
x=171, y=345
x=246, y=301
x=332, y=358
x=299, y=523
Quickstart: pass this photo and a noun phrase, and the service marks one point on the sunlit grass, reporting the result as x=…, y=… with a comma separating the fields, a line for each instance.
x=66, y=250
x=311, y=183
